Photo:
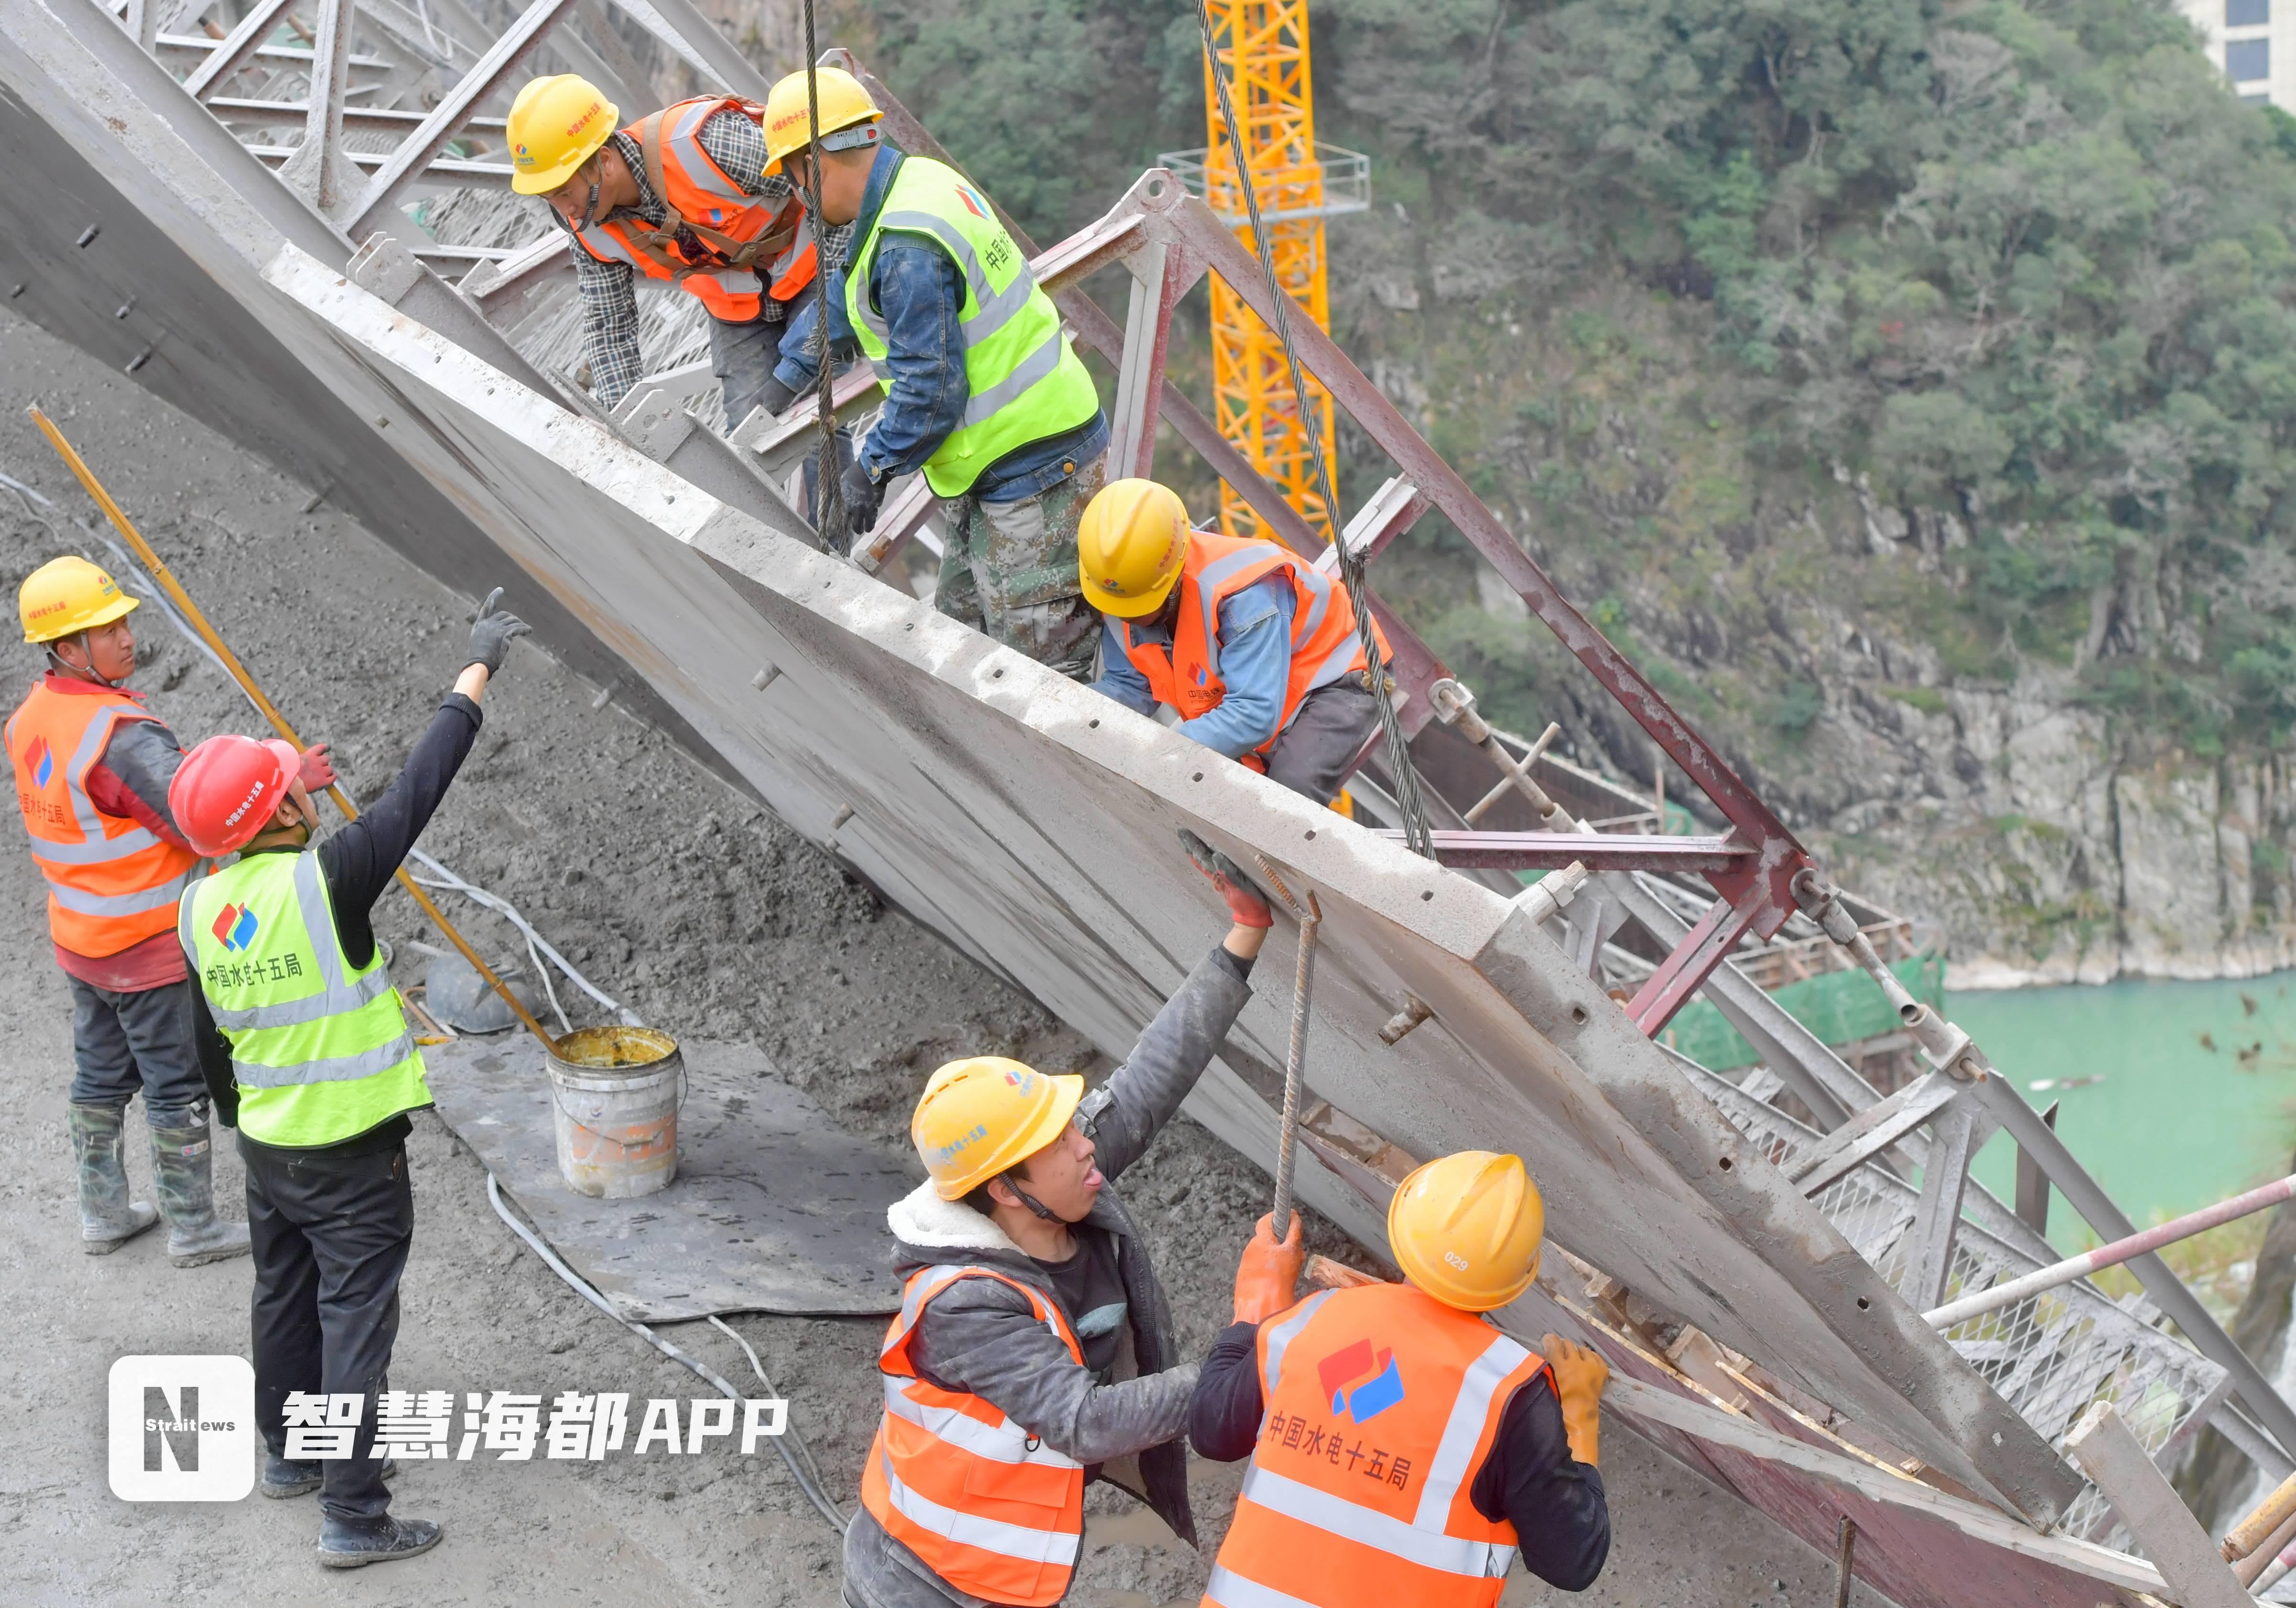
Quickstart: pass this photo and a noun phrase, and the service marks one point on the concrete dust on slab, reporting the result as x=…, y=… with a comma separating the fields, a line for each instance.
x=697, y=910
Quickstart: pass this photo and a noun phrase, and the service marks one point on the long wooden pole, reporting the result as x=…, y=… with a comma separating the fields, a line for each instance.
x=175, y=589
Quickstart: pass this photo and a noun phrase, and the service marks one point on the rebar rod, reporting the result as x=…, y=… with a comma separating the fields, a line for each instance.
x=1296, y=1062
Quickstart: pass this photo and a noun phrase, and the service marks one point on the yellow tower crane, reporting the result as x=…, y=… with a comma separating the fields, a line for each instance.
x=1263, y=44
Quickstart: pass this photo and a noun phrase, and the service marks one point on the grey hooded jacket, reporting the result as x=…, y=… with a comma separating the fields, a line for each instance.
x=979, y=1336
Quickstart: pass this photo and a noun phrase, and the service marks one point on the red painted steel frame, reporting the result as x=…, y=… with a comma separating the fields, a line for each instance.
x=1157, y=212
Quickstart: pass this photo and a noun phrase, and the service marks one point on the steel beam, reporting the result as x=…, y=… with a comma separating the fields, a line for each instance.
x=1393, y=509
x=1684, y=971
x=358, y=119
x=1871, y=1131
x=449, y=173
x=501, y=59
x=1140, y=375
x=238, y=47
x=1551, y=851
x=317, y=170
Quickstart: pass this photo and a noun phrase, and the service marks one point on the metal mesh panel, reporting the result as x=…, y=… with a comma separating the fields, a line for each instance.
x=2049, y=1356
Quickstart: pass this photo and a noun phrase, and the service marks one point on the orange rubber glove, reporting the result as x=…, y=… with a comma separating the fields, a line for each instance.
x=1269, y=1272
x=1579, y=1376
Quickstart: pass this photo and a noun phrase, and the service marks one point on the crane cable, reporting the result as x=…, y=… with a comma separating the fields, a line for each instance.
x=829, y=506
x=1414, y=807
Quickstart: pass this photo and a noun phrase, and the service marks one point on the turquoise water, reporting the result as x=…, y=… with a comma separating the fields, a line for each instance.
x=2196, y=1097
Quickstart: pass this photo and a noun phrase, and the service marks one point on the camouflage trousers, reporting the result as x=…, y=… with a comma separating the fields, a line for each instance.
x=1009, y=569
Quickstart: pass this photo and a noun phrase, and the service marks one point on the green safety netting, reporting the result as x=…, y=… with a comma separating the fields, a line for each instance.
x=1837, y=1006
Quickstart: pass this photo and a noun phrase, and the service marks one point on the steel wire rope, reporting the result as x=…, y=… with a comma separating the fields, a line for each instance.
x=807, y=1483
x=1414, y=807
x=829, y=507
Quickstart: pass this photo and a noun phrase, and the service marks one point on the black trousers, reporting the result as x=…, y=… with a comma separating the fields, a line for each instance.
x=329, y=1239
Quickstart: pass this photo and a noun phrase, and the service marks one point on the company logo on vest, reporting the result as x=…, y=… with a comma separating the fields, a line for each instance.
x=234, y=927
x=1381, y=1386
x=41, y=762
x=183, y=1429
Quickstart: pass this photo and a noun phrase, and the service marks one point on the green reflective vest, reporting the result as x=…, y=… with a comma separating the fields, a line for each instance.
x=1026, y=381
x=321, y=1052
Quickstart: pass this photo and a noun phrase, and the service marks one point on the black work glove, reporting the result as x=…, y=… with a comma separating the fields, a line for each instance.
x=860, y=494
x=776, y=398
x=490, y=638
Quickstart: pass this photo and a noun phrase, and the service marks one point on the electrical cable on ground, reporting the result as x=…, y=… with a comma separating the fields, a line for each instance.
x=441, y=877
x=1416, y=835
x=809, y=1484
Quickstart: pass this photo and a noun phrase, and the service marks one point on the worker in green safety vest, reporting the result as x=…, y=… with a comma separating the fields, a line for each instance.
x=306, y=1050
x=983, y=392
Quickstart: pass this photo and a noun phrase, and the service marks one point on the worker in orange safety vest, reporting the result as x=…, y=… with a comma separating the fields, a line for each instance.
x=1403, y=1450
x=92, y=767
x=1034, y=1350
x=680, y=195
x=1255, y=647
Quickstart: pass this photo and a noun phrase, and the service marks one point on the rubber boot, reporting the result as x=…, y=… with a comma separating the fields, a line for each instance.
x=107, y=1219
x=182, y=1164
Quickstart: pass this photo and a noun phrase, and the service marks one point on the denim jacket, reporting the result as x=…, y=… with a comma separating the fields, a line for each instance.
x=915, y=284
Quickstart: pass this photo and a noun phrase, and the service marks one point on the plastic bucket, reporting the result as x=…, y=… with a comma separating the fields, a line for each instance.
x=614, y=1095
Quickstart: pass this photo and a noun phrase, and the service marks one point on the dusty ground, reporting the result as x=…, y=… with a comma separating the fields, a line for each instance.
x=703, y=913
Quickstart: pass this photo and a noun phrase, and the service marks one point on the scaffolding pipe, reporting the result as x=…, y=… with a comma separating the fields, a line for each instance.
x=2112, y=1255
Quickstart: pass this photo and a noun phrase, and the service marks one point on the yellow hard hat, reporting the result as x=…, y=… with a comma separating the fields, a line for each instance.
x=1467, y=1229
x=984, y=1115
x=554, y=127
x=1132, y=542
x=844, y=106
x=66, y=596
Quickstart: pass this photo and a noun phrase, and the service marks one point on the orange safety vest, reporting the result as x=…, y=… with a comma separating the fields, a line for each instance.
x=987, y=1504
x=723, y=244
x=111, y=881
x=1186, y=675
x=1381, y=1403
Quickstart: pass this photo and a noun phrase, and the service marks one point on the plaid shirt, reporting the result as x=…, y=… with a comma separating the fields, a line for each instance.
x=610, y=304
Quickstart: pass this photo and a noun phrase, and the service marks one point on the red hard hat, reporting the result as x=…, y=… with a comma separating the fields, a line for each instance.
x=228, y=789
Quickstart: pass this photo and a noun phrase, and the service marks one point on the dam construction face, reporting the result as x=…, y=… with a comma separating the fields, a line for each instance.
x=1753, y=1248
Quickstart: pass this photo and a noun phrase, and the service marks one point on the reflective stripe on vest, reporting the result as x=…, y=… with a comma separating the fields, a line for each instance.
x=1024, y=382
x=702, y=193
x=1186, y=675
x=985, y=1503
x=321, y=1052
x=112, y=884
x=1415, y=1392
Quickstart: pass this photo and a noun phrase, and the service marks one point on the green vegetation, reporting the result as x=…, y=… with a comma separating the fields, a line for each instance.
x=1688, y=285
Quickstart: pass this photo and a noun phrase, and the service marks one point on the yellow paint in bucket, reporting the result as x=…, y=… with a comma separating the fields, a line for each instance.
x=614, y=1095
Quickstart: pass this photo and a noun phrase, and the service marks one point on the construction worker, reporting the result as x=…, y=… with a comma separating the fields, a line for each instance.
x=319, y=1071
x=1034, y=1350
x=681, y=195
x=1402, y=1450
x=1256, y=648
x=983, y=392
x=92, y=768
